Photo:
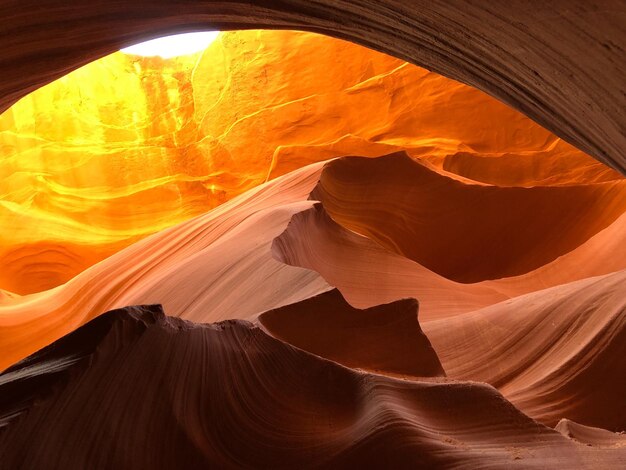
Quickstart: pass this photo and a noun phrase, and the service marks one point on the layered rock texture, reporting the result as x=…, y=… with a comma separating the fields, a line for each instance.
x=287, y=251
x=560, y=62
x=230, y=395
x=128, y=145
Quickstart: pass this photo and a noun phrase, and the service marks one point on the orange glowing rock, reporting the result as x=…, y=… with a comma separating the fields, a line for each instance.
x=127, y=146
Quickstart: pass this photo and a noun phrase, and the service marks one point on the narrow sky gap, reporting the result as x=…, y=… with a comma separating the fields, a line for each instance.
x=172, y=46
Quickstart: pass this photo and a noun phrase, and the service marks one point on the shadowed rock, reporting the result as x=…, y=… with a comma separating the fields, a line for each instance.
x=150, y=391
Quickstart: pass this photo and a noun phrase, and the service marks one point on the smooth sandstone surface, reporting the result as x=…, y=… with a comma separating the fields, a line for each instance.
x=546, y=351
x=450, y=293
x=329, y=415
x=464, y=231
x=233, y=250
x=561, y=63
x=222, y=259
x=127, y=146
x=384, y=339
x=554, y=353
x=369, y=274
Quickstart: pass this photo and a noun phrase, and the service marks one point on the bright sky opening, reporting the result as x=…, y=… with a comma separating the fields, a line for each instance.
x=172, y=46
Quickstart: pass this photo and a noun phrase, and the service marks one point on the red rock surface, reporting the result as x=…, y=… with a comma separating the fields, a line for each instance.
x=385, y=339
x=552, y=352
x=127, y=146
x=462, y=230
x=589, y=435
x=294, y=339
x=544, y=59
x=221, y=260
x=229, y=395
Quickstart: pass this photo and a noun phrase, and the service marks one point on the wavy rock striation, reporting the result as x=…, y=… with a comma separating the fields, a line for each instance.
x=386, y=338
x=544, y=59
x=127, y=146
x=513, y=243
x=231, y=396
x=550, y=339
x=464, y=231
x=219, y=264
x=554, y=353
x=367, y=274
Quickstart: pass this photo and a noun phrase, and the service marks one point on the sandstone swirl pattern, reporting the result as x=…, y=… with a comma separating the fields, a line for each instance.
x=128, y=146
x=558, y=62
x=305, y=348
x=254, y=258
x=229, y=395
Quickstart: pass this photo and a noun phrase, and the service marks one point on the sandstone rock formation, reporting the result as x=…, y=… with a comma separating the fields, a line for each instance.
x=127, y=146
x=543, y=58
x=288, y=251
x=230, y=395
x=385, y=339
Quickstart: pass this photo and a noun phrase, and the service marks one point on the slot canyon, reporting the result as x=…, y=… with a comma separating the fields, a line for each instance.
x=337, y=234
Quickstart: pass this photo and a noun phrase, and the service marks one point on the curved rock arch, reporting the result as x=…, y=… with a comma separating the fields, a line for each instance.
x=560, y=62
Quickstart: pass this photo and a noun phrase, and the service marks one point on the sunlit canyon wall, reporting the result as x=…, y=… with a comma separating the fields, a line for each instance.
x=129, y=145
x=185, y=262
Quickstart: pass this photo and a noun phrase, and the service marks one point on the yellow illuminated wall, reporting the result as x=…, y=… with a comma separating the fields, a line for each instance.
x=129, y=145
